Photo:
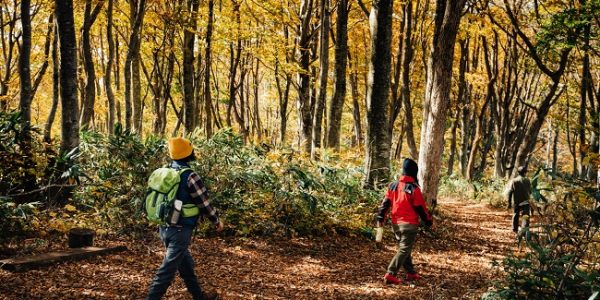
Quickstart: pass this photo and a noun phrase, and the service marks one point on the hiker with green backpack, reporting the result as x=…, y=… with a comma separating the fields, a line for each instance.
x=175, y=200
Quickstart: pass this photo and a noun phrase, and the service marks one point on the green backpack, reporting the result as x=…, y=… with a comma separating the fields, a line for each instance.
x=160, y=197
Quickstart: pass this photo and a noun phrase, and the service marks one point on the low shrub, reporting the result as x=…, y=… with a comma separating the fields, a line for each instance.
x=258, y=190
x=561, y=259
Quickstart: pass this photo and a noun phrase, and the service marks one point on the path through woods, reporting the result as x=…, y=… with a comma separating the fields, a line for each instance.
x=455, y=265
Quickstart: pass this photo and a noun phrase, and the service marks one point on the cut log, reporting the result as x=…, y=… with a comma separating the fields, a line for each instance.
x=81, y=237
x=27, y=262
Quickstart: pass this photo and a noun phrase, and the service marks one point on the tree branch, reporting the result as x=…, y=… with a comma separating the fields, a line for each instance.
x=363, y=7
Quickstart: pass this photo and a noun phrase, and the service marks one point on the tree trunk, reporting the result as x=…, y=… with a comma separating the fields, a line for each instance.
x=47, y=45
x=555, y=151
x=208, y=121
x=377, y=160
x=136, y=90
x=24, y=66
x=339, y=93
x=89, y=96
x=189, y=40
x=549, y=133
x=304, y=45
x=586, y=77
x=323, y=76
x=552, y=94
x=55, y=87
x=407, y=57
x=167, y=91
x=396, y=98
x=68, y=75
x=7, y=53
x=256, y=84
x=476, y=139
x=582, y=118
x=234, y=62
x=463, y=106
x=437, y=95
x=110, y=96
x=358, y=132
x=132, y=78
x=451, y=157
x=284, y=94
x=490, y=96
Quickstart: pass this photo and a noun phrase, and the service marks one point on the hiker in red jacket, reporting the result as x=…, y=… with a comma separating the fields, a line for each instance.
x=405, y=203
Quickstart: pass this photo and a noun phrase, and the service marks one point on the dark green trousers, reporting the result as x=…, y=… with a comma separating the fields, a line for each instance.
x=406, y=234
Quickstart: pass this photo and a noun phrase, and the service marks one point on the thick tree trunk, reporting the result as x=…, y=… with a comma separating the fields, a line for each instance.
x=189, y=39
x=24, y=65
x=377, y=146
x=339, y=93
x=323, y=76
x=304, y=77
x=68, y=75
x=437, y=95
x=208, y=114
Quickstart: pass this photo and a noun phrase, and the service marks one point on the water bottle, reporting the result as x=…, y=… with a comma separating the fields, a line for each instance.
x=176, y=212
x=379, y=235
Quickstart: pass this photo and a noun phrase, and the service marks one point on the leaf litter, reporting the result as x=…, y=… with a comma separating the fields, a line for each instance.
x=455, y=263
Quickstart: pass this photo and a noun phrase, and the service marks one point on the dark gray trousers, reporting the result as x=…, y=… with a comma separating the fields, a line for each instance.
x=177, y=258
x=406, y=234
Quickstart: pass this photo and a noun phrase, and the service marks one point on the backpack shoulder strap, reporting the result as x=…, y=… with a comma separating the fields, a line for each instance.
x=409, y=188
x=183, y=170
x=394, y=186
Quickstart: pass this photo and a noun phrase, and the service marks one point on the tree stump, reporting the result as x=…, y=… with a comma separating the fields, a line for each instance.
x=81, y=237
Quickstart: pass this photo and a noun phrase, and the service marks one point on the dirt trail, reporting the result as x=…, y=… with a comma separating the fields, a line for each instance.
x=456, y=264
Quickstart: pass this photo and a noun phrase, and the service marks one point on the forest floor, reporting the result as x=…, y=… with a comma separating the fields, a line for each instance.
x=456, y=263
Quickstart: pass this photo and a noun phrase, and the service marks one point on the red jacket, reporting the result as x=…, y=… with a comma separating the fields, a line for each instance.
x=405, y=200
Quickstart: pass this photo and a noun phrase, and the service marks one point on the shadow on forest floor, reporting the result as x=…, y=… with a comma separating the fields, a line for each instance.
x=454, y=264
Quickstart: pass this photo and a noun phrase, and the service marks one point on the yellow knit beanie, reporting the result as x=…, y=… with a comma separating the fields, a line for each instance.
x=180, y=148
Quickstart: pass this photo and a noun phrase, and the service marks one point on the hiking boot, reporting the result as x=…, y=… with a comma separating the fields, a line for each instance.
x=209, y=296
x=391, y=279
x=412, y=276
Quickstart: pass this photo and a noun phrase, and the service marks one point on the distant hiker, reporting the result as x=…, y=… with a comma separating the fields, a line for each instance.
x=518, y=192
x=177, y=237
x=405, y=202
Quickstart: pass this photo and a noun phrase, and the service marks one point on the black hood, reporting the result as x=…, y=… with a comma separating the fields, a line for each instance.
x=410, y=168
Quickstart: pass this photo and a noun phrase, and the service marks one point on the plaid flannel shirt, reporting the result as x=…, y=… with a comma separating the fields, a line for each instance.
x=199, y=195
